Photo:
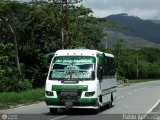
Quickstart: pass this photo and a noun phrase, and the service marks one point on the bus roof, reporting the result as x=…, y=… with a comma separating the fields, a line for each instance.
x=80, y=52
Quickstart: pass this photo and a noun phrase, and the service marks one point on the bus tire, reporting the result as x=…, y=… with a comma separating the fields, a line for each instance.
x=111, y=101
x=53, y=111
x=96, y=111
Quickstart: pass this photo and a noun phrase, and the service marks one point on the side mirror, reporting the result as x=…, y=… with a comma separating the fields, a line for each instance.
x=46, y=59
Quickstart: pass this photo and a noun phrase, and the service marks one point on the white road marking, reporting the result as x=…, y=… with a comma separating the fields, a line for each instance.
x=122, y=96
x=118, y=97
x=150, y=110
x=58, y=117
x=142, y=88
x=135, y=90
x=129, y=93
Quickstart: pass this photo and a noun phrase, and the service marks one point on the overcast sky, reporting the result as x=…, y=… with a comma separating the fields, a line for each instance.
x=146, y=9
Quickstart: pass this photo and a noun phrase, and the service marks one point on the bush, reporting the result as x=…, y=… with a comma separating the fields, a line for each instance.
x=14, y=84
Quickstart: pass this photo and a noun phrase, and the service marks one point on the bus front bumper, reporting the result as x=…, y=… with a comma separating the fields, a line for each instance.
x=79, y=103
x=83, y=107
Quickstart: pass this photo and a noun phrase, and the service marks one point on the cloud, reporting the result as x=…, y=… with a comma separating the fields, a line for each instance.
x=146, y=9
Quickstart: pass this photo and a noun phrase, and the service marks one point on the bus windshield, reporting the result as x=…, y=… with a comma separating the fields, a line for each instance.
x=73, y=68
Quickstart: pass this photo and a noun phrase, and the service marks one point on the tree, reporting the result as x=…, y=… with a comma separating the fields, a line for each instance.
x=83, y=29
x=9, y=19
x=37, y=29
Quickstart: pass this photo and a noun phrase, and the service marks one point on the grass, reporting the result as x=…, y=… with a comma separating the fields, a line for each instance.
x=8, y=99
x=127, y=82
x=141, y=80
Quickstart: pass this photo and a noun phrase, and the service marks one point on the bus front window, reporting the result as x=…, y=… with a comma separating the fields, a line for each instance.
x=73, y=68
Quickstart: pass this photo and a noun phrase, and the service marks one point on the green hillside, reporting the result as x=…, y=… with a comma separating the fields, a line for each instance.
x=140, y=33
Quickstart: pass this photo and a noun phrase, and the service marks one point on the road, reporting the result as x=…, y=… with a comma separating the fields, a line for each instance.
x=140, y=98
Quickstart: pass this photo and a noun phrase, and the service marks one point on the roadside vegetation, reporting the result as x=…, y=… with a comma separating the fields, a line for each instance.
x=141, y=80
x=12, y=99
x=30, y=30
x=143, y=63
x=36, y=29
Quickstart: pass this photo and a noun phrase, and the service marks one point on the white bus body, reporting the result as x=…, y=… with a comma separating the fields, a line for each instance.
x=80, y=78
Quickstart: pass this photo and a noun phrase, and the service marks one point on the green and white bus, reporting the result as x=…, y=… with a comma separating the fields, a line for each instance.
x=80, y=78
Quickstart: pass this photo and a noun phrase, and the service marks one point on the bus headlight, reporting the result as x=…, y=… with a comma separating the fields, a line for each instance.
x=49, y=93
x=89, y=94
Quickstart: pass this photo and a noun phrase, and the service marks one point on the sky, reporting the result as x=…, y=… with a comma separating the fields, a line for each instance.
x=145, y=9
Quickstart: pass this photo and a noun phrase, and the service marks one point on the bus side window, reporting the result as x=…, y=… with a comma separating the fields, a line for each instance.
x=100, y=72
x=107, y=67
x=112, y=67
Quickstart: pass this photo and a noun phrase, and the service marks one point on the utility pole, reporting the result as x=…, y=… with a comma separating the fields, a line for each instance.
x=105, y=37
x=64, y=18
x=137, y=66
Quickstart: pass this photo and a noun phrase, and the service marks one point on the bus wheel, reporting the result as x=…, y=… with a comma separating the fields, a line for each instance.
x=111, y=101
x=96, y=111
x=53, y=110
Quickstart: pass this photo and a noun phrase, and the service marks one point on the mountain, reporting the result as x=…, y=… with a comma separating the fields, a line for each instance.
x=137, y=32
x=156, y=21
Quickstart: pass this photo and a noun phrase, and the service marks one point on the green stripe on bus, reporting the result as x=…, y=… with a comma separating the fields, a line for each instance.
x=60, y=87
x=87, y=100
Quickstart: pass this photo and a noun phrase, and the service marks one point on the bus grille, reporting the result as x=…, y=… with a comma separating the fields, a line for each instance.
x=70, y=92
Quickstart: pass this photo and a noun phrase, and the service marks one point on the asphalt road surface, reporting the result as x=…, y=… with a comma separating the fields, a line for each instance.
x=131, y=101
